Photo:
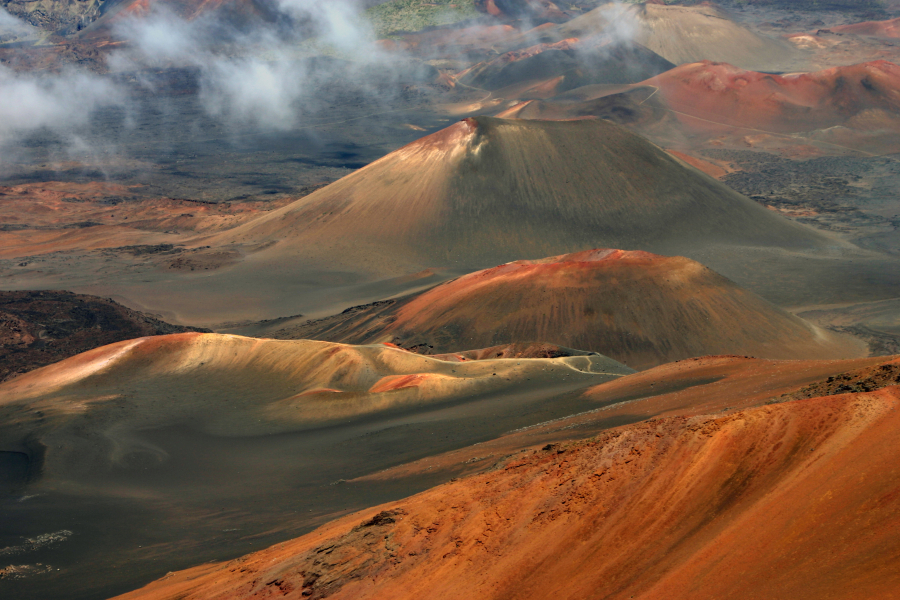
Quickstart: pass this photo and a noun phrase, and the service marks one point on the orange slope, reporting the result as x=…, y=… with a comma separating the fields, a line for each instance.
x=853, y=108
x=799, y=500
x=718, y=93
x=707, y=385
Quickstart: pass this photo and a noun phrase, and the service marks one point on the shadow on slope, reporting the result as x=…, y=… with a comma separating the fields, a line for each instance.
x=155, y=452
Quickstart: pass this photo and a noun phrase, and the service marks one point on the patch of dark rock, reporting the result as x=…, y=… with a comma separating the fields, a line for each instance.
x=853, y=382
x=385, y=517
x=38, y=328
x=142, y=250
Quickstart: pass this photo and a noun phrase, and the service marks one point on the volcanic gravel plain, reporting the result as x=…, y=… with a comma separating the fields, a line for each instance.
x=480, y=299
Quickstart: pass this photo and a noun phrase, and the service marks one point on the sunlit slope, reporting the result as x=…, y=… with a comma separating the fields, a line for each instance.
x=687, y=388
x=82, y=415
x=486, y=191
x=868, y=93
x=796, y=500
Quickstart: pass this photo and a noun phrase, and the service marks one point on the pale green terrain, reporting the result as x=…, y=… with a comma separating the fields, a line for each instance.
x=415, y=15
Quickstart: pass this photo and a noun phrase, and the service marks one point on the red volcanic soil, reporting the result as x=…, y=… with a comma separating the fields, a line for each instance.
x=888, y=29
x=400, y=382
x=867, y=379
x=40, y=328
x=638, y=308
x=47, y=217
x=186, y=9
x=714, y=94
x=797, y=500
x=712, y=384
x=843, y=109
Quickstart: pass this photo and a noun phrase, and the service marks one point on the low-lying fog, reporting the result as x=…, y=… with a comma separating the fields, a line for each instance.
x=182, y=94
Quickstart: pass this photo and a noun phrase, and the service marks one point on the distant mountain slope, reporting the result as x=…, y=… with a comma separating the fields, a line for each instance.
x=722, y=93
x=679, y=34
x=539, y=10
x=577, y=63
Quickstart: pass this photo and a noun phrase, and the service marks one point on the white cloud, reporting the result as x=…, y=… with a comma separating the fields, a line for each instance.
x=61, y=101
x=12, y=26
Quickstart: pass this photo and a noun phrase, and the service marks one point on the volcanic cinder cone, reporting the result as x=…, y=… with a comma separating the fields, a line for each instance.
x=638, y=308
x=486, y=191
x=719, y=93
x=679, y=34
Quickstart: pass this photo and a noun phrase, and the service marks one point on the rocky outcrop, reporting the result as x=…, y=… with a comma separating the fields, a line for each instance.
x=56, y=16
